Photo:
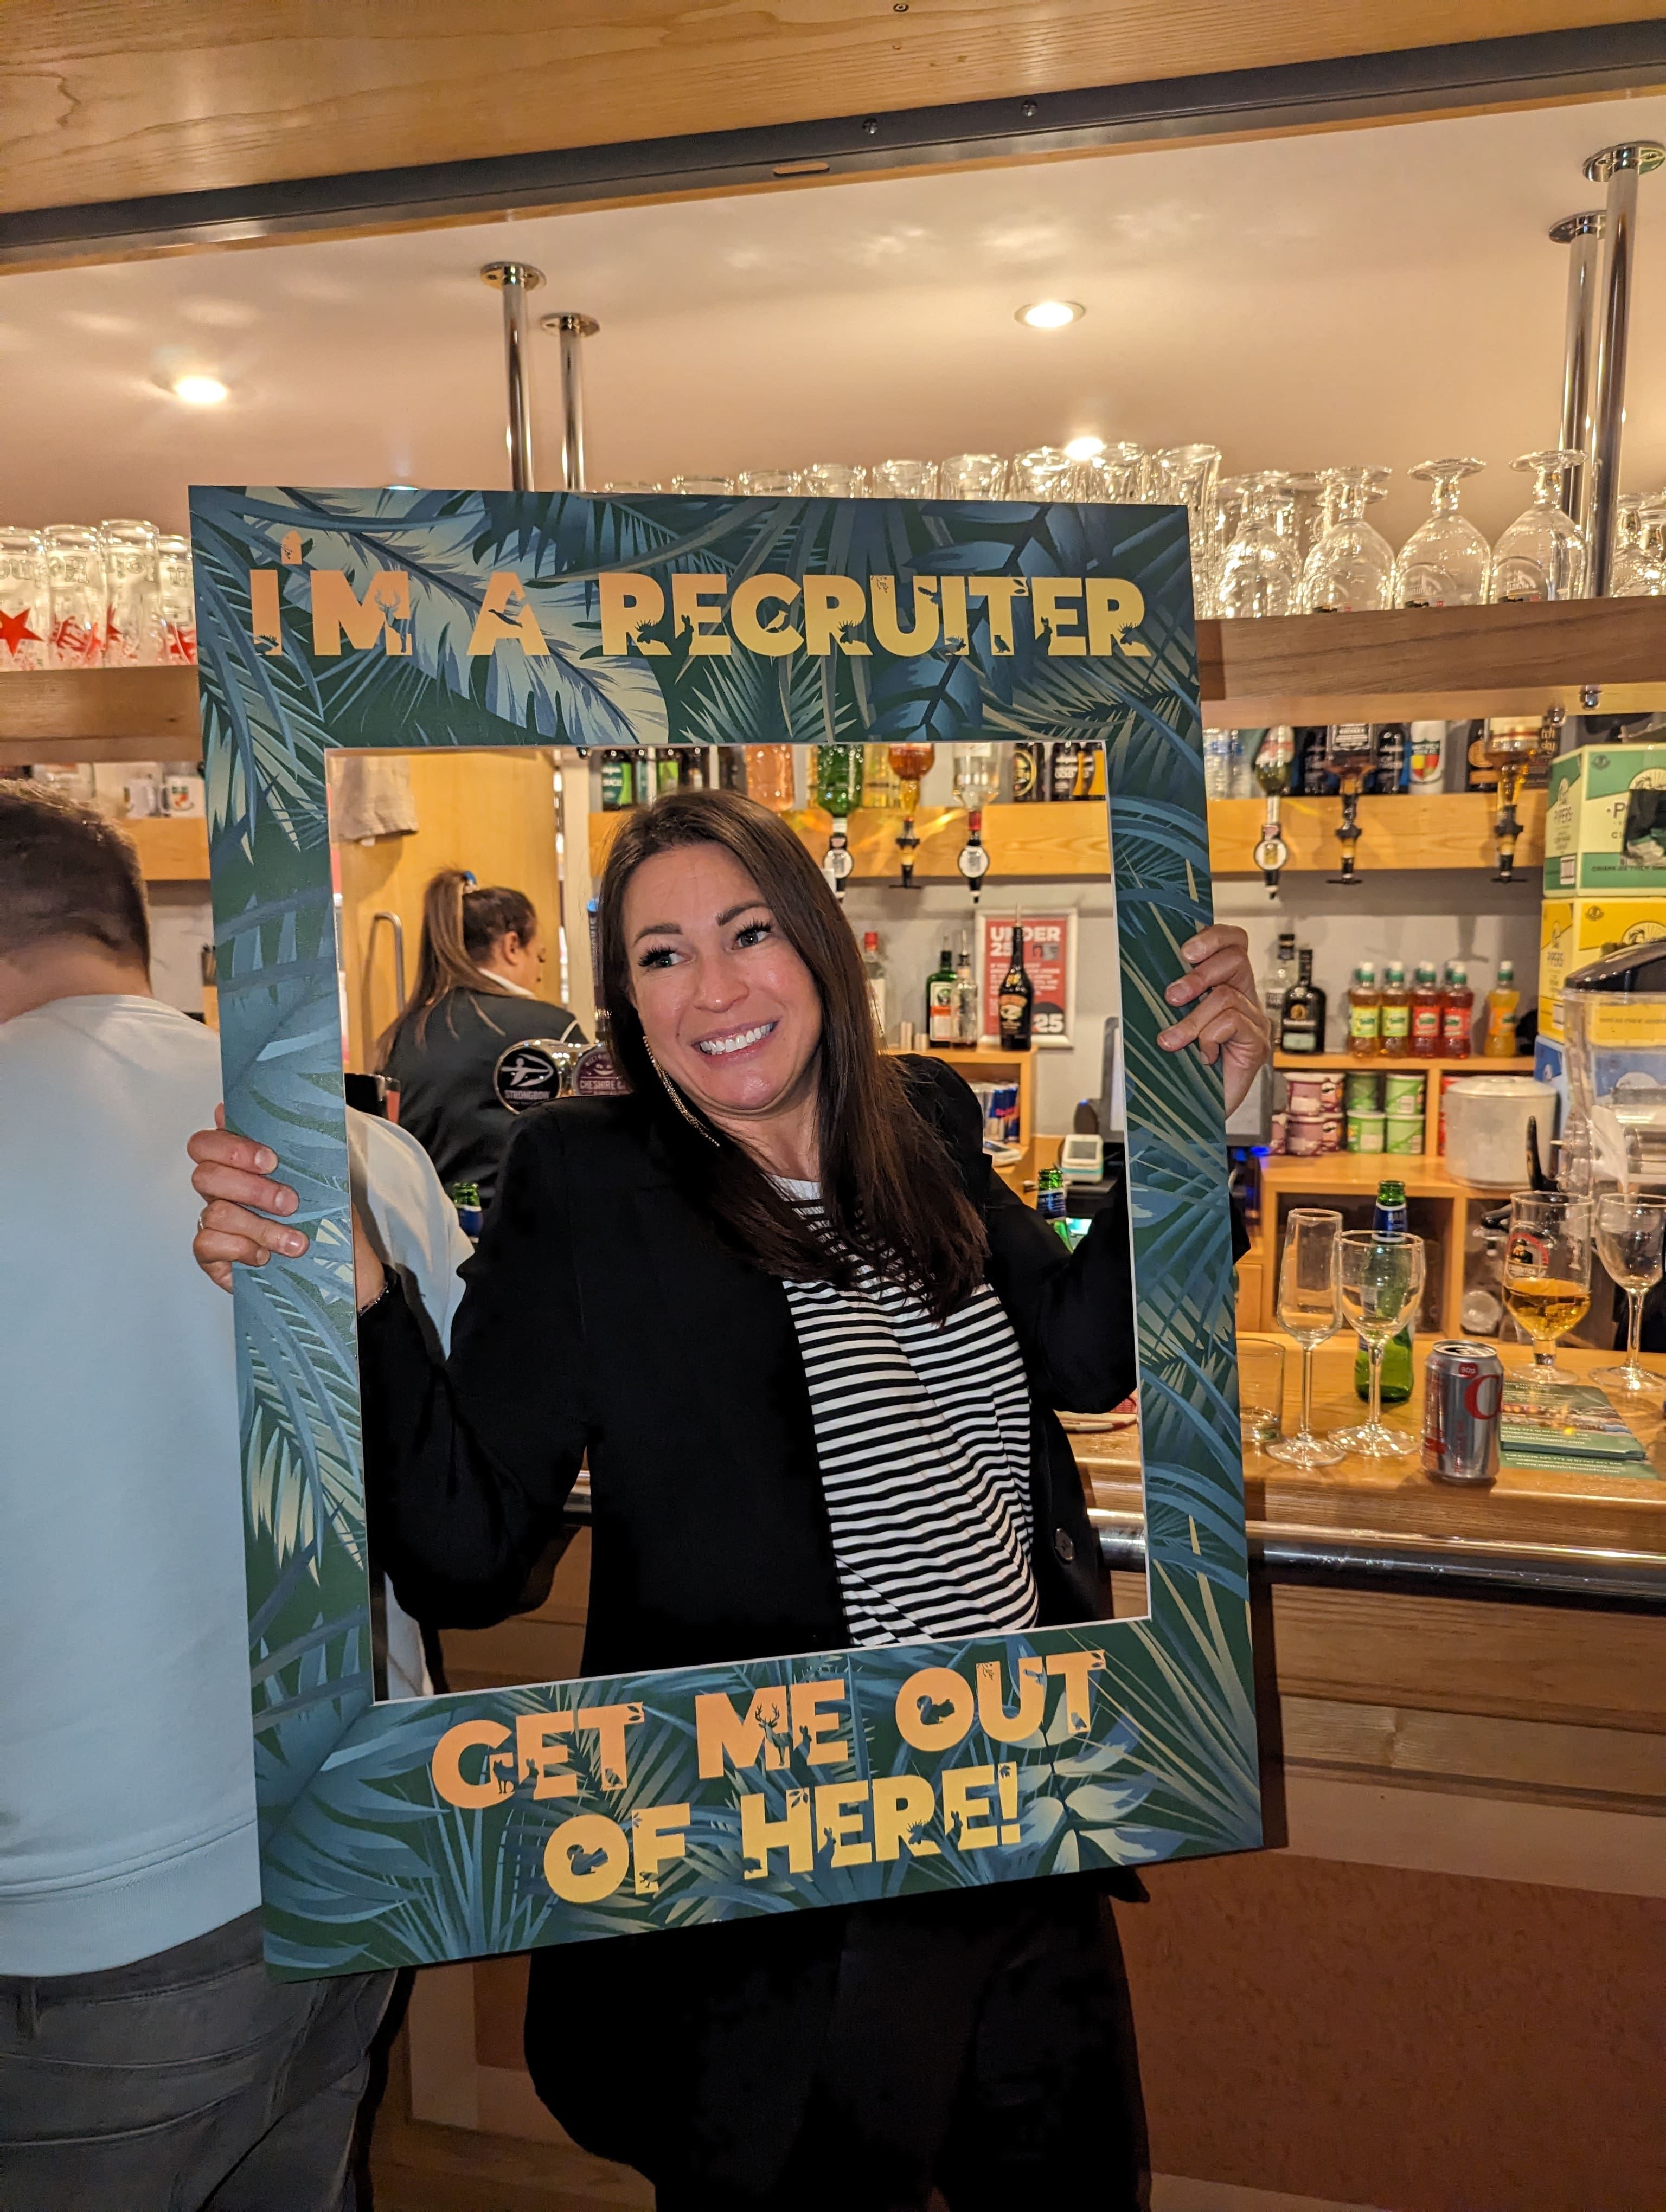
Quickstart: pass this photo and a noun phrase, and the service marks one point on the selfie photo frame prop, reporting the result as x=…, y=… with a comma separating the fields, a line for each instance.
x=455, y=1827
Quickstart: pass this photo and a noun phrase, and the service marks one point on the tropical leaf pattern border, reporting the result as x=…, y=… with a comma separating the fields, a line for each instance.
x=364, y=1864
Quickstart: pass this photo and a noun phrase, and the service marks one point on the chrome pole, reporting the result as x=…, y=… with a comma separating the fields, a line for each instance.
x=572, y=330
x=514, y=280
x=1584, y=234
x=1619, y=167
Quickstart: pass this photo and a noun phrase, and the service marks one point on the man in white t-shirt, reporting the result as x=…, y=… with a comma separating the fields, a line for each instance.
x=147, y=2063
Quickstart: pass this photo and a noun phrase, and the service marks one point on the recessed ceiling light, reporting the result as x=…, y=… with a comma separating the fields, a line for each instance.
x=1051, y=315
x=199, y=391
x=1084, y=449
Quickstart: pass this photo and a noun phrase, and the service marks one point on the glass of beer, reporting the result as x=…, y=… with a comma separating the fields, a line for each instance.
x=1630, y=1235
x=1382, y=1281
x=1547, y=1275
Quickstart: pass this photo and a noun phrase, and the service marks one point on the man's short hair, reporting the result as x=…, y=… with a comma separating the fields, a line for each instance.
x=66, y=871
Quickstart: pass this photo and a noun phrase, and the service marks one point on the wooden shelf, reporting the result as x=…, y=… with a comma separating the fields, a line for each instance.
x=1423, y=661
x=1046, y=842
x=1434, y=662
x=1337, y=1063
x=171, y=850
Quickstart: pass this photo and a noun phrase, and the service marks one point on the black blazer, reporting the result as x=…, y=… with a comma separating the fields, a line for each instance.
x=604, y=1317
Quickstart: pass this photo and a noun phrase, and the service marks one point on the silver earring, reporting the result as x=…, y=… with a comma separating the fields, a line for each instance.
x=678, y=1099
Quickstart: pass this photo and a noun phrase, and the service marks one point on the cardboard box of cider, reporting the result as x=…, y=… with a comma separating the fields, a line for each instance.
x=1572, y=932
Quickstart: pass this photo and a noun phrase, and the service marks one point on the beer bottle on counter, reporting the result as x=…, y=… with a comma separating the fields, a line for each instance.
x=1051, y=1201
x=1388, y=1220
x=1029, y=772
x=1067, y=768
x=1017, y=998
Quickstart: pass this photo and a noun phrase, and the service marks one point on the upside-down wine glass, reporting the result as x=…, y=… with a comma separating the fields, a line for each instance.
x=1188, y=475
x=1639, y=572
x=1631, y=1238
x=1044, y=472
x=1627, y=543
x=1309, y=1309
x=1543, y=554
x=1546, y=1276
x=1382, y=1279
x=972, y=476
x=1351, y=568
x=1259, y=572
x=1446, y=561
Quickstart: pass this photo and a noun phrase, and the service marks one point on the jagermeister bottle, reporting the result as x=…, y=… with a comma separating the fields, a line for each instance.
x=619, y=781
x=943, y=1002
x=1017, y=998
x=1388, y=1220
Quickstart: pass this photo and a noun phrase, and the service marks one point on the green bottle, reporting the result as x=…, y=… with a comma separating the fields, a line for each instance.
x=1389, y=1219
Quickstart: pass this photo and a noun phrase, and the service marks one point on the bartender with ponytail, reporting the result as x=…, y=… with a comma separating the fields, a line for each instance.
x=477, y=978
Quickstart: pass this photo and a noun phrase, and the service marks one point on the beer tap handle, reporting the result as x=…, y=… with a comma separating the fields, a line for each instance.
x=1272, y=854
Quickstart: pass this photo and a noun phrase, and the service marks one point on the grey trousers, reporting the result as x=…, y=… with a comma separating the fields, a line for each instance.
x=190, y=2082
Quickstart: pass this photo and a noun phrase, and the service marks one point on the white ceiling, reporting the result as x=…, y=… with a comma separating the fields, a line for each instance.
x=1364, y=295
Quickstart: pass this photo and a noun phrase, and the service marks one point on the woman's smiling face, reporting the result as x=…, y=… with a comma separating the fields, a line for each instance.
x=729, y=1010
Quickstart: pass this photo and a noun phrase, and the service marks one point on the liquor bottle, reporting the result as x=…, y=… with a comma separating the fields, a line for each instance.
x=1050, y=1200
x=1303, y=1030
x=1503, y=1001
x=693, y=767
x=874, y=967
x=1425, y=1012
x=968, y=1012
x=943, y=1003
x=1029, y=773
x=1388, y=1220
x=881, y=785
x=838, y=778
x=1091, y=770
x=1017, y=998
x=465, y=1197
x=1457, y=1014
x=1428, y=756
x=1364, y=1013
x=619, y=781
x=1280, y=974
x=769, y=777
x=1391, y=750
x=667, y=769
x=1396, y=1025
x=1066, y=767
x=732, y=769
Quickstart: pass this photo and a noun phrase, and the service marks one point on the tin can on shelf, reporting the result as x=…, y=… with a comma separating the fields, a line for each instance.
x=1366, y=1130
x=1402, y=1094
x=1462, y=1397
x=1304, y=1135
x=1275, y=1133
x=1314, y=1094
x=1402, y=1132
x=1359, y=1093
x=1330, y=1133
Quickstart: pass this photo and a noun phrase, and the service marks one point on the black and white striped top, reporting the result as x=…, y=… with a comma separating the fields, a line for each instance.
x=922, y=1435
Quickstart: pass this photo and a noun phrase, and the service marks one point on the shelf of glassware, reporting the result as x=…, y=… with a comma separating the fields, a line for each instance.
x=1413, y=662
x=1036, y=843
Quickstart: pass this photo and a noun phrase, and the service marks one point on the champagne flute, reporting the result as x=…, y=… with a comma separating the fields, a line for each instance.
x=1382, y=1280
x=1631, y=1237
x=1309, y=1309
x=1547, y=1275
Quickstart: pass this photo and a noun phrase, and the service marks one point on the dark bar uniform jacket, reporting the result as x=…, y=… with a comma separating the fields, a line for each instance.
x=605, y=1316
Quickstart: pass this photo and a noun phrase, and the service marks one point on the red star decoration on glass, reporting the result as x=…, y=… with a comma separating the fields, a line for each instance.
x=15, y=631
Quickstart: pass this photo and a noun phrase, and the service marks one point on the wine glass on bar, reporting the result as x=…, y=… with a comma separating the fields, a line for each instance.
x=1542, y=556
x=1546, y=1276
x=1631, y=1238
x=1381, y=1279
x=1444, y=563
x=1309, y=1309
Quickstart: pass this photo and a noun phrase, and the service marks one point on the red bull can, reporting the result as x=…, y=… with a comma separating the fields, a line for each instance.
x=1462, y=1396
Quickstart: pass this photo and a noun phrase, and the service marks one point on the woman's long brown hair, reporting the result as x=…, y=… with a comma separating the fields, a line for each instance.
x=460, y=924
x=889, y=1193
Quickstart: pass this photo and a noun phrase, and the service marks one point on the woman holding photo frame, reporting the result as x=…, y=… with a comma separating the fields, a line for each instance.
x=813, y=1351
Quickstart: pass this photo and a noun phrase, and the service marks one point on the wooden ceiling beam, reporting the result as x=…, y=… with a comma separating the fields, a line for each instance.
x=166, y=124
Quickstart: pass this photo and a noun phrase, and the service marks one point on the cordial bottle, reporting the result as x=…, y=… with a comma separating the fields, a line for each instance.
x=1017, y=998
x=1425, y=1012
x=1396, y=1024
